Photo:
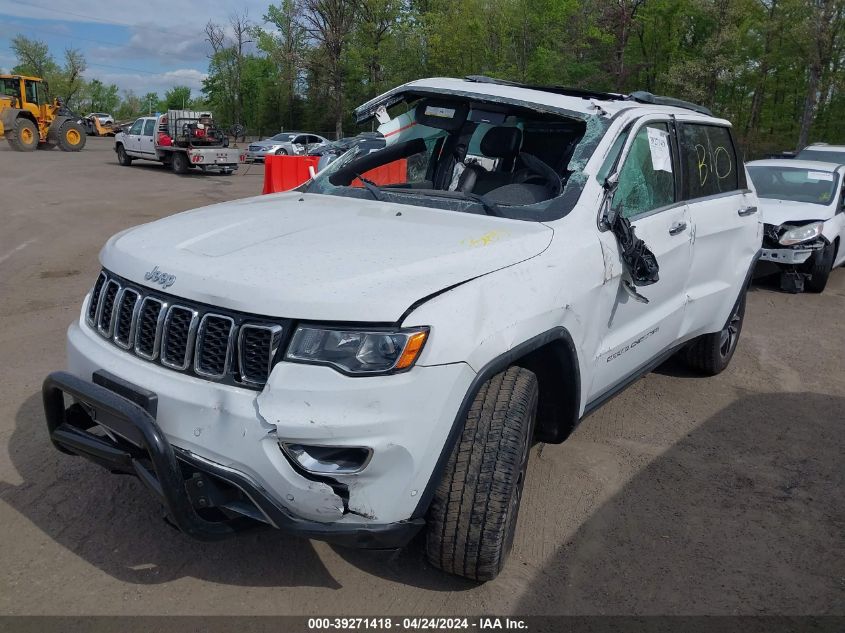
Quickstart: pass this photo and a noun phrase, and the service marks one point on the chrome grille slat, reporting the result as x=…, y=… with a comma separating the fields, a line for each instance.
x=212, y=343
x=94, y=303
x=105, y=309
x=177, y=340
x=148, y=329
x=257, y=346
x=128, y=304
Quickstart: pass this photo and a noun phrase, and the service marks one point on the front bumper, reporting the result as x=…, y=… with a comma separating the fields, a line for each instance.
x=789, y=256
x=202, y=498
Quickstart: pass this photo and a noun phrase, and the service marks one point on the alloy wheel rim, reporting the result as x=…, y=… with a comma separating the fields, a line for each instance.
x=730, y=334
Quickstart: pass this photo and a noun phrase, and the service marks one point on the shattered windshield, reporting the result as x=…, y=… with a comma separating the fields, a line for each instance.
x=477, y=157
x=794, y=183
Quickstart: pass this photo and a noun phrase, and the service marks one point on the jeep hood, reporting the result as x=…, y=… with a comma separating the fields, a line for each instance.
x=778, y=212
x=320, y=257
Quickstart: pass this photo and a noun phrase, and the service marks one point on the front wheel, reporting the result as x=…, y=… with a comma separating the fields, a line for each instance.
x=710, y=354
x=72, y=137
x=473, y=515
x=820, y=268
x=282, y=152
x=122, y=157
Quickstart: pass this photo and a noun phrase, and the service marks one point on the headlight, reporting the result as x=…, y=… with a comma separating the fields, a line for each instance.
x=358, y=351
x=798, y=234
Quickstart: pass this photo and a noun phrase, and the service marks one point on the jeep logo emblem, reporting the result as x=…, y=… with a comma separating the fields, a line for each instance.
x=158, y=277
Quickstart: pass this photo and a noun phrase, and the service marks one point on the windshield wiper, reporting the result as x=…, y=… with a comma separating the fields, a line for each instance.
x=371, y=187
x=490, y=207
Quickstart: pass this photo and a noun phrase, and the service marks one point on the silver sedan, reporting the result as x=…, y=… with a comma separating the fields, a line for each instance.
x=286, y=143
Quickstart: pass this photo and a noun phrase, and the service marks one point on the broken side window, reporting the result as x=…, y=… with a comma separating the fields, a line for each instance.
x=646, y=181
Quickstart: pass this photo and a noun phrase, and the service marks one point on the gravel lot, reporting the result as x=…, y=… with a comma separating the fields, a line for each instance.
x=684, y=495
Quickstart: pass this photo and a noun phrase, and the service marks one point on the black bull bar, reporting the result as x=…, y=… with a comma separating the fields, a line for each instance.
x=188, y=486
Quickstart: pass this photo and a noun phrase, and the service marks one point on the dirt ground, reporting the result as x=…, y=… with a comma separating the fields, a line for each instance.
x=684, y=495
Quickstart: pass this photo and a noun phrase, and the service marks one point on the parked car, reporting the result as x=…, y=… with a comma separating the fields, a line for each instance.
x=283, y=144
x=329, y=151
x=103, y=117
x=356, y=364
x=803, y=208
x=823, y=152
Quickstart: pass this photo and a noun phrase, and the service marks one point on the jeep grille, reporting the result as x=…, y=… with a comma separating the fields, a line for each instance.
x=205, y=341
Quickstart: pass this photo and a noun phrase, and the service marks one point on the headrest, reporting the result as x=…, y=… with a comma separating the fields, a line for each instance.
x=501, y=142
x=442, y=115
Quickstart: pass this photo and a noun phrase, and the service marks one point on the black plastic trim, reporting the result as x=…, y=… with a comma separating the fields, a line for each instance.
x=148, y=454
x=500, y=363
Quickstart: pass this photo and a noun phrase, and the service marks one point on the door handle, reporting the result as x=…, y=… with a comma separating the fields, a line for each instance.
x=747, y=211
x=677, y=228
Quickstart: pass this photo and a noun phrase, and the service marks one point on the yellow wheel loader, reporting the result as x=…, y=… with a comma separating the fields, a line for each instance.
x=29, y=121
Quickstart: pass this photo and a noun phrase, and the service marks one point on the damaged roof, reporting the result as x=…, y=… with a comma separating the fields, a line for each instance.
x=574, y=103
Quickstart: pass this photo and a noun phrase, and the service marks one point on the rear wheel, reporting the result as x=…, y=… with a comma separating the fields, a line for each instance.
x=473, y=515
x=820, y=268
x=122, y=157
x=23, y=137
x=711, y=353
x=180, y=163
x=71, y=136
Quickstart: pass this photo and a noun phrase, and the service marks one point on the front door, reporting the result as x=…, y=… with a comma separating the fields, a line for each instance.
x=133, y=138
x=146, y=142
x=648, y=194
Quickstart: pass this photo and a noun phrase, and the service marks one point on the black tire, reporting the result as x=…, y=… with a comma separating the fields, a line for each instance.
x=72, y=137
x=281, y=152
x=23, y=137
x=122, y=157
x=820, y=267
x=180, y=163
x=710, y=354
x=473, y=515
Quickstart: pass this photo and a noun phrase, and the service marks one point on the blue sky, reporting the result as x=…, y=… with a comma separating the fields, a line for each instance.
x=142, y=46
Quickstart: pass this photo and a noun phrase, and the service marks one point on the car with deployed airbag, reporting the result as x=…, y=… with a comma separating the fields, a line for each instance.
x=357, y=363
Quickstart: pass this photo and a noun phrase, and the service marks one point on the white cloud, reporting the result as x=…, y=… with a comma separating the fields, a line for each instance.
x=158, y=82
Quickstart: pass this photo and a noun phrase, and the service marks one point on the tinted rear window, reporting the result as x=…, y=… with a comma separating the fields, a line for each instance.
x=826, y=156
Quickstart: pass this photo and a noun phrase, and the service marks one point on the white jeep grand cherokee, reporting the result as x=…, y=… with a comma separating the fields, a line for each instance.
x=357, y=363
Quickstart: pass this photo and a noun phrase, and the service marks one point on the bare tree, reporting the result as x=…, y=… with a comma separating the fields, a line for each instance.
x=329, y=23
x=228, y=56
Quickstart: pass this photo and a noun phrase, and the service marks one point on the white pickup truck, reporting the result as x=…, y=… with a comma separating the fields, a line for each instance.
x=181, y=139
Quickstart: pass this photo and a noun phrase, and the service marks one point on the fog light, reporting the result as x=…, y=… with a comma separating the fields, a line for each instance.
x=328, y=460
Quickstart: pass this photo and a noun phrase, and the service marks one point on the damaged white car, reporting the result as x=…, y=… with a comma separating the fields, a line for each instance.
x=803, y=209
x=359, y=363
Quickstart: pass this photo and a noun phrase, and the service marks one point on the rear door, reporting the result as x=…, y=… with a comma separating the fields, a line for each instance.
x=725, y=220
x=649, y=194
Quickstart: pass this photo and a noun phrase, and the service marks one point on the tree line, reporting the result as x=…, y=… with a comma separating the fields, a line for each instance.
x=775, y=68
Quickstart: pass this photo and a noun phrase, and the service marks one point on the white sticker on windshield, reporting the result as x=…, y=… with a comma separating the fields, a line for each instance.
x=819, y=175
x=443, y=113
x=658, y=143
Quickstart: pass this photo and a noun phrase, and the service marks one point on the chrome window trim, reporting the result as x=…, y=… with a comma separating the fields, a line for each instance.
x=200, y=340
x=107, y=332
x=275, y=342
x=133, y=320
x=159, y=323
x=189, y=346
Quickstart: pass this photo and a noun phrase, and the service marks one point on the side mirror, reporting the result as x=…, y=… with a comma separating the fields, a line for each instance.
x=608, y=214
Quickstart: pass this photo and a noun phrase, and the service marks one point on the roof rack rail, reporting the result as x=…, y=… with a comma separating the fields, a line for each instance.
x=639, y=96
x=560, y=90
